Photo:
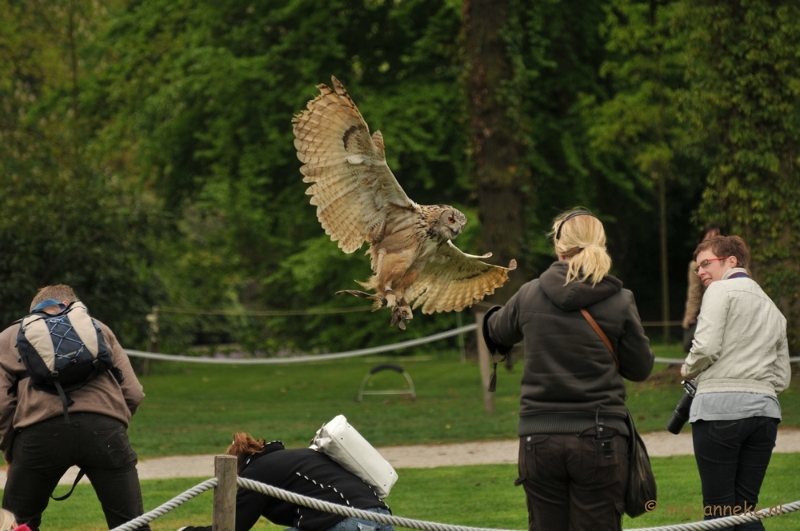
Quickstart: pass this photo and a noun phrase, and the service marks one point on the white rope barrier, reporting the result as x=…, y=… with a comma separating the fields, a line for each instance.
x=163, y=509
x=421, y=525
x=343, y=510
x=347, y=354
x=262, y=313
x=434, y=526
x=300, y=359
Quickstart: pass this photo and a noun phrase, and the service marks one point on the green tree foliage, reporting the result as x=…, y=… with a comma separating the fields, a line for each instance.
x=147, y=154
x=206, y=92
x=741, y=105
x=564, y=75
x=65, y=216
x=640, y=122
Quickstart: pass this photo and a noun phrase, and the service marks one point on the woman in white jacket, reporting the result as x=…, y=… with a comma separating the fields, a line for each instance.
x=740, y=362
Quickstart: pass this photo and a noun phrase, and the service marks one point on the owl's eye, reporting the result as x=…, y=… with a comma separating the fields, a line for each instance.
x=451, y=220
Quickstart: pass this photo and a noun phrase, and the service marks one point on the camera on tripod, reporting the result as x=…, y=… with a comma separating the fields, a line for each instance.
x=681, y=414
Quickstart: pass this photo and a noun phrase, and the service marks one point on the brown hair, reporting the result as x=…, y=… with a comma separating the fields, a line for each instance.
x=59, y=292
x=726, y=246
x=243, y=446
x=582, y=240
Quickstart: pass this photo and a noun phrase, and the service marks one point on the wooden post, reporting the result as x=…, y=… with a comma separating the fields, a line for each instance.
x=460, y=339
x=225, y=493
x=485, y=363
x=152, y=346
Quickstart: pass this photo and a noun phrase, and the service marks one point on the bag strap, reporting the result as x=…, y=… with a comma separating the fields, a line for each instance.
x=66, y=401
x=80, y=475
x=602, y=335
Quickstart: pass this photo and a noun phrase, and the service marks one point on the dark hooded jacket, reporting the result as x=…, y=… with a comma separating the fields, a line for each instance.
x=570, y=376
x=302, y=471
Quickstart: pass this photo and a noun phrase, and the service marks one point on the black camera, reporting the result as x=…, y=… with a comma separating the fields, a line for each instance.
x=681, y=414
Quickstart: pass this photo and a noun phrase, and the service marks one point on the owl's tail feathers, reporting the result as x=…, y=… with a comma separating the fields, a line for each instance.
x=378, y=301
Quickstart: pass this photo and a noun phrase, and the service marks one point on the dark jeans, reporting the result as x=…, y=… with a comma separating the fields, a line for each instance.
x=42, y=453
x=732, y=457
x=571, y=483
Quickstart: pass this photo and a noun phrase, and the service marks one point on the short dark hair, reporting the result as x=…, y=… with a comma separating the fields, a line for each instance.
x=59, y=292
x=726, y=246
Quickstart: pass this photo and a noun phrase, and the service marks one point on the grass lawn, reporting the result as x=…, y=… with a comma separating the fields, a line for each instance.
x=482, y=496
x=194, y=408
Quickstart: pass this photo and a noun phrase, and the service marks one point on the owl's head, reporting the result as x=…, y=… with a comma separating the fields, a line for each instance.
x=451, y=222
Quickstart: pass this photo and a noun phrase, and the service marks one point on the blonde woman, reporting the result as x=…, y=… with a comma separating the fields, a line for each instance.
x=573, y=457
x=9, y=523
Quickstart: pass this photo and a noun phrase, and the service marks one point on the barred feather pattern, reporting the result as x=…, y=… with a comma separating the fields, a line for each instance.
x=358, y=200
x=353, y=189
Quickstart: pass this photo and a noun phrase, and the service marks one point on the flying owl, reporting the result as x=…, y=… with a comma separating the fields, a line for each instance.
x=359, y=200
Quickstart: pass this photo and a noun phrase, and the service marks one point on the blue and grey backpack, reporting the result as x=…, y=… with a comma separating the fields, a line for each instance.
x=62, y=352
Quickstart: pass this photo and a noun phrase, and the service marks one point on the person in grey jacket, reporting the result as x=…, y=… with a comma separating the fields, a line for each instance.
x=740, y=362
x=573, y=457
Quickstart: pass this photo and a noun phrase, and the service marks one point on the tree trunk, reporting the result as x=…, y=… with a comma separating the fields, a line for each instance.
x=495, y=140
x=662, y=225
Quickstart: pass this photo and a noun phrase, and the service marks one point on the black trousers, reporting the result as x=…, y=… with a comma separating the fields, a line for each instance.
x=42, y=453
x=732, y=458
x=573, y=483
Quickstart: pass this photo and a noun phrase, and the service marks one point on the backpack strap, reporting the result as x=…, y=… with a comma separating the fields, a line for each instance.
x=81, y=473
x=602, y=335
x=65, y=400
x=48, y=302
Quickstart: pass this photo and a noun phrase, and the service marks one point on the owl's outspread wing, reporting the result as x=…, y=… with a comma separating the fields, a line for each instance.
x=453, y=280
x=354, y=190
x=359, y=200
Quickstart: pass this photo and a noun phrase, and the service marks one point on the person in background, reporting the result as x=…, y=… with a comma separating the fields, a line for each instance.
x=9, y=523
x=694, y=291
x=303, y=471
x=39, y=447
x=739, y=361
x=573, y=454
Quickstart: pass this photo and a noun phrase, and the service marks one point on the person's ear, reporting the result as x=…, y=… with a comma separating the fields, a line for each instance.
x=732, y=262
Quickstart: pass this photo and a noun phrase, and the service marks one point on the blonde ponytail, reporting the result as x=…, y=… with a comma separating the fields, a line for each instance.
x=581, y=239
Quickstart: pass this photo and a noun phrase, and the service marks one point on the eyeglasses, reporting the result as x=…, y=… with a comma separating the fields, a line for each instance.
x=707, y=263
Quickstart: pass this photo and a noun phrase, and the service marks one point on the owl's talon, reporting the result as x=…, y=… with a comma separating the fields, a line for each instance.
x=356, y=293
x=400, y=316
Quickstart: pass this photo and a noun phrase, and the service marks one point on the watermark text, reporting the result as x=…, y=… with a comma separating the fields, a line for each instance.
x=702, y=511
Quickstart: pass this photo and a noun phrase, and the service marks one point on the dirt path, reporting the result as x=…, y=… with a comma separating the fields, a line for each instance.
x=659, y=444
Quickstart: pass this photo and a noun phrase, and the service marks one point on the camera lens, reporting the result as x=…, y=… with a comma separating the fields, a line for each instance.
x=681, y=414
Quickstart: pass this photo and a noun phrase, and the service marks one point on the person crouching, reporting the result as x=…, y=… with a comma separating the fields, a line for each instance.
x=302, y=471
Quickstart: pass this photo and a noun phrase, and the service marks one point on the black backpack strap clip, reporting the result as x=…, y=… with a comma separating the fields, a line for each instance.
x=81, y=473
x=117, y=374
x=65, y=400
